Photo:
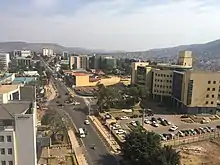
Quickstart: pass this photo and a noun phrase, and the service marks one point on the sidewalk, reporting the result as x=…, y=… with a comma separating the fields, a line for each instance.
x=106, y=135
x=77, y=149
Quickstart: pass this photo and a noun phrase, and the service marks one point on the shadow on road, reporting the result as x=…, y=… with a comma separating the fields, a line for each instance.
x=108, y=159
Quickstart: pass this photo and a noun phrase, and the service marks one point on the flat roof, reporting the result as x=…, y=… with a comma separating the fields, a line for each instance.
x=8, y=88
x=8, y=111
x=80, y=74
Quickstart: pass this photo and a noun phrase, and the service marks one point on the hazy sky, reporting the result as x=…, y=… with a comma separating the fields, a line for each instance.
x=111, y=24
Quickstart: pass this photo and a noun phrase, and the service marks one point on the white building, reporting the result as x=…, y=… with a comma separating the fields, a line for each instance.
x=22, y=53
x=18, y=129
x=47, y=52
x=4, y=60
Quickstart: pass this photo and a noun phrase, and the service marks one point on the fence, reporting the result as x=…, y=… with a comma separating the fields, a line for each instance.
x=192, y=139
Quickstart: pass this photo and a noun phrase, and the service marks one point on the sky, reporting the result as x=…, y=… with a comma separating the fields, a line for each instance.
x=130, y=25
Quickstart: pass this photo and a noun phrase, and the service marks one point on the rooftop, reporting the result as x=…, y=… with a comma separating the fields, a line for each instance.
x=8, y=111
x=8, y=88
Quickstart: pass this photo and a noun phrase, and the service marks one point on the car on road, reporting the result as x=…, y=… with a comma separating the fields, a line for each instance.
x=61, y=105
x=86, y=122
x=173, y=128
x=124, y=118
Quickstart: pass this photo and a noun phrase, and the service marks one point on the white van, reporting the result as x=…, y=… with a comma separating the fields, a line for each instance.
x=82, y=133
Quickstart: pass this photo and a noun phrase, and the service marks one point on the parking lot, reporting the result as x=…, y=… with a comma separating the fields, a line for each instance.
x=179, y=129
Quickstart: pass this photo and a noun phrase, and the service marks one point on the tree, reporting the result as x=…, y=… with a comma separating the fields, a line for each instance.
x=168, y=156
x=144, y=148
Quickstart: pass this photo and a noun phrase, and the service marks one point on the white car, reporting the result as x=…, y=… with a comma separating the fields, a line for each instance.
x=146, y=121
x=115, y=126
x=87, y=122
x=124, y=118
x=155, y=124
x=76, y=103
x=173, y=128
x=120, y=131
x=133, y=123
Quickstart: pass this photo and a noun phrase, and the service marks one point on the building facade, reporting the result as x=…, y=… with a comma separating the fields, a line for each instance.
x=18, y=122
x=4, y=61
x=47, y=52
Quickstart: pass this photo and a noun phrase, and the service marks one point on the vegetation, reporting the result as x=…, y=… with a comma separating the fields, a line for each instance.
x=144, y=148
x=118, y=97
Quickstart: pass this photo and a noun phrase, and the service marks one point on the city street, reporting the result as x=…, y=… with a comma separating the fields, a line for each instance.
x=78, y=114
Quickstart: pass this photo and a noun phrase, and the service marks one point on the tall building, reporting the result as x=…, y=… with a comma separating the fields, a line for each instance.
x=196, y=91
x=134, y=67
x=74, y=62
x=4, y=60
x=17, y=125
x=47, y=52
x=65, y=55
x=84, y=61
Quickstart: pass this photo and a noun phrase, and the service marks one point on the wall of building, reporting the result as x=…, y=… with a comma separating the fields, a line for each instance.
x=8, y=145
x=162, y=82
x=84, y=81
x=185, y=58
x=25, y=133
x=134, y=66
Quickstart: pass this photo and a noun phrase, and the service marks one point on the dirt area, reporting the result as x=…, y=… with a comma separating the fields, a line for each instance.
x=201, y=153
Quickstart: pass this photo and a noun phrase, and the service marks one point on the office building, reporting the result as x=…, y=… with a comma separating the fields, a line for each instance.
x=4, y=61
x=22, y=53
x=47, y=52
x=196, y=91
x=189, y=90
x=23, y=61
x=65, y=55
x=84, y=61
x=17, y=125
x=74, y=62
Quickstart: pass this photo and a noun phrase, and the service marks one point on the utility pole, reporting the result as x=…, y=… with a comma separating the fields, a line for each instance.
x=143, y=116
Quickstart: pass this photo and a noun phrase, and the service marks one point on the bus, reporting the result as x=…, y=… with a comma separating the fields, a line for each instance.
x=82, y=133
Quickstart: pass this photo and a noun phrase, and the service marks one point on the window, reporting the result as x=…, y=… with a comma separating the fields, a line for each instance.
x=213, y=96
x=209, y=82
x=213, y=89
x=9, y=151
x=214, y=82
x=8, y=138
x=208, y=89
x=206, y=102
x=207, y=96
x=2, y=138
x=211, y=102
x=3, y=162
x=2, y=151
x=10, y=162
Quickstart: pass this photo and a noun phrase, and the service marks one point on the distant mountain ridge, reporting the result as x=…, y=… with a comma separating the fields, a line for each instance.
x=206, y=50
x=37, y=47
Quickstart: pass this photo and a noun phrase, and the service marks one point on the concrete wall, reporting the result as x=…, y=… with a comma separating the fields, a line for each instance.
x=25, y=133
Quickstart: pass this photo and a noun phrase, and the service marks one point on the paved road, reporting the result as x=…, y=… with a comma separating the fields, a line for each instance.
x=78, y=114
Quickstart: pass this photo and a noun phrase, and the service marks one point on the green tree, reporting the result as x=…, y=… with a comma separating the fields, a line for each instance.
x=144, y=148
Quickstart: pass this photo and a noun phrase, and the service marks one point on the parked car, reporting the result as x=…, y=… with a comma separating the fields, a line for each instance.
x=163, y=138
x=146, y=121
x=192, y=132
x=124, y=118
x=153, y=119
x=133, y=123
x=218, y=126
x=120, y=131
x=108, y=116
x=202, y=130
x=154, y=123
x=180, y=134
x=167, y=122
x=173, y=128
x=198, y=131
x=86, y=122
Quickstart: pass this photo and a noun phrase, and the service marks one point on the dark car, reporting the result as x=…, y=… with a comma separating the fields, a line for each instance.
x=66, y=93
x=57, y=102
x=153, y=119
x=218, y=126
x=61, y=105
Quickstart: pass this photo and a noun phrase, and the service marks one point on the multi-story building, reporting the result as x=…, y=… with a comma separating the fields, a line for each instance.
x=4, y=60
x=65, y=55
x=17, y=126
x=22, y=53
x=74, y=62
x=47, y=52
x=196, y=91
x=84, y=61
x=134, y=67
x=23, y=61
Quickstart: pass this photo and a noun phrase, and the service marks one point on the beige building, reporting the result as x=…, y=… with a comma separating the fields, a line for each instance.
x=84, y=61
x=74, y=62
x=196, y=91
x=134, y=67
x=185, y=58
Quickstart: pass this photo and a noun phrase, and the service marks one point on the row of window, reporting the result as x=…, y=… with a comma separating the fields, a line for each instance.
x=209, y=82
x=2, y=138
x=207, y=102
x=207, y=96
x=162, y=86
x=2, y=151
x=163, y=75
x=158, y=80
x=167, y=92
x=208, y=89
x=3, y=162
